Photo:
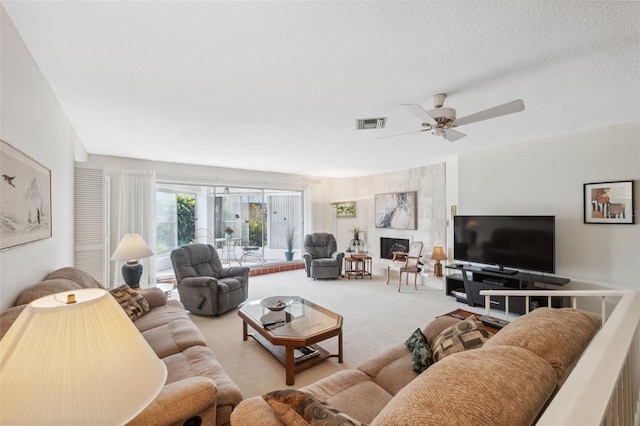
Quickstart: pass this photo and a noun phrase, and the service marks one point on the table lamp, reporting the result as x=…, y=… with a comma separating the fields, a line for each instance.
x=131, y=248
x=75, y=358
x=438, y=255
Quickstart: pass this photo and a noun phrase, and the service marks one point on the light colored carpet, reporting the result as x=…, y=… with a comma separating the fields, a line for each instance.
x=375, y=315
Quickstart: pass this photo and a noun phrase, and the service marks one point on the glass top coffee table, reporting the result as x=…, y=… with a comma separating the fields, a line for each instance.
x=284, y=324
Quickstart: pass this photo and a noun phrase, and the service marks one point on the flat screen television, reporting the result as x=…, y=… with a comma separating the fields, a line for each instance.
x=521, y=242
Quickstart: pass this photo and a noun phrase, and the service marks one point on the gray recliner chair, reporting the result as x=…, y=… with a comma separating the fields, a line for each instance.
x=205, y=287
x=321, y=256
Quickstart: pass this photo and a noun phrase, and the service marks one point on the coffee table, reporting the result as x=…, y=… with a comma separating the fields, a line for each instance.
x=302, y=323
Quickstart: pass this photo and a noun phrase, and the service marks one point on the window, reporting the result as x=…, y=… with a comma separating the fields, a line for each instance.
x=166, y=222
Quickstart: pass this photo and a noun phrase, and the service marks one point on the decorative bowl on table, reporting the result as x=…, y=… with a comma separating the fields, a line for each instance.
x=276, y=303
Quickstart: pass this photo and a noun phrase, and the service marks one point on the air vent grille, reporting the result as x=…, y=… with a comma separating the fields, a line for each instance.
x=370, y=123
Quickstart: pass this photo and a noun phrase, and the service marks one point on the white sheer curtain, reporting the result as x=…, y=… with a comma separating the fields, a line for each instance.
x=137, y=215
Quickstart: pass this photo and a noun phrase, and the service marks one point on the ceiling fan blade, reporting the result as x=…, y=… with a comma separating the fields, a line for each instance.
x=498, y=111
x=453, y=135
x=404, y=134
x=418, y=112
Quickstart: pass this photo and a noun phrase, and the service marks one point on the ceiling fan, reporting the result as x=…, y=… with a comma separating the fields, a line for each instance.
x=440, y=120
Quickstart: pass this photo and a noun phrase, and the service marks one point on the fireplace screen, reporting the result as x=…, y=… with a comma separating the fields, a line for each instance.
x=389, y=245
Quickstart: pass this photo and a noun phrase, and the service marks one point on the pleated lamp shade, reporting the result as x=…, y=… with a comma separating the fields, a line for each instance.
x=83, y=363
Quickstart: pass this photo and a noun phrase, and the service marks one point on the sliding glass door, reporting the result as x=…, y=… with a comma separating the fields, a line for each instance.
x=248, y=226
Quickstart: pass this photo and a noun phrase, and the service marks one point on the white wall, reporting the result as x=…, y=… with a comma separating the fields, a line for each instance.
x=32, y=120
x=546, y=177
x=427, y=181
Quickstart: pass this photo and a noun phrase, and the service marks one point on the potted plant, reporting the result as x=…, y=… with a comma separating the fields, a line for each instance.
x=228, y=232
x=355, y=243
x=291, y=240
x=356, y=232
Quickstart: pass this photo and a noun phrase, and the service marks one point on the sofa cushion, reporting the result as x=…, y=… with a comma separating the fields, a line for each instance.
x=133, y=304
x=174, y=337
x=45, y=288
x=488, y=386
x=76, y=275
x=155, y=296
x=297, y=408
x=557, y=335
x=8, y=317
x=420, y=351
x=179, y=401
x=201, y=361
x=254, y=411
x=464, y=335
x=352, y=392
x=437, y=326
x=171, y=311
x=390, y=369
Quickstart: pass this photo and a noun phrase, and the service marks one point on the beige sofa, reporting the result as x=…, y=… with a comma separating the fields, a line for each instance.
x=507, y=381
x=197, y=387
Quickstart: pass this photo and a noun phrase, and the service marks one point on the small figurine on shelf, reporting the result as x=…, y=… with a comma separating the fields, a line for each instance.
x=228, y=232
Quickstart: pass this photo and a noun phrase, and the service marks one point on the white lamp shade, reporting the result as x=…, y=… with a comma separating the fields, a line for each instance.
x=76, y=364
x=131, y=247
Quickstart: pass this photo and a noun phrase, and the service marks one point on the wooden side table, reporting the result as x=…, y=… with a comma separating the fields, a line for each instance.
x=358, y=265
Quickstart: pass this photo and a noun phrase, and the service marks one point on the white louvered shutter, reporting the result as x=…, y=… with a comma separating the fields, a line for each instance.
x=91, y=204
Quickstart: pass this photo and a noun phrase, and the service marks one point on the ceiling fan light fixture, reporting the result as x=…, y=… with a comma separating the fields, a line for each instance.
x=370, y=123
x=442, y=114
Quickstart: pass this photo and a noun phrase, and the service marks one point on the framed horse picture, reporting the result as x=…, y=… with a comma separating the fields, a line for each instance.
x=609, y=202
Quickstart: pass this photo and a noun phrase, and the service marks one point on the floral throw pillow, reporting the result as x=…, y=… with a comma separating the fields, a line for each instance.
x=418, y=345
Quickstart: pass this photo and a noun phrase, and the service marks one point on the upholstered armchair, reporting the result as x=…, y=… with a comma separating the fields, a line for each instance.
x=321, y=256
x=204, y=286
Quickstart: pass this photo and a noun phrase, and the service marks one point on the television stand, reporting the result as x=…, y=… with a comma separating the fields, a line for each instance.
x=500, y=270
x=480, y=278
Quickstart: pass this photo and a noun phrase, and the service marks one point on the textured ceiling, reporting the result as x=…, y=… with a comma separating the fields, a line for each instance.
x=277, y=86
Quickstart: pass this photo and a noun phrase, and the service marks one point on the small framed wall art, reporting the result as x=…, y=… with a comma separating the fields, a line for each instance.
x=396, y=210
x=609, y=202
x=25, y=198
x=345, y=209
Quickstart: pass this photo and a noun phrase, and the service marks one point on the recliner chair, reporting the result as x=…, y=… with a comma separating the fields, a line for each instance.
x=321, y=256
x=204, y=286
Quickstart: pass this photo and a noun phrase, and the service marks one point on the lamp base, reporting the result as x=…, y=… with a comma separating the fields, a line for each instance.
x=131, y=272
x=437, y=269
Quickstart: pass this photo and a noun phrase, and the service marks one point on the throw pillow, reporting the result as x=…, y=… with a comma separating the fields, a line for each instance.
x=133, y=304
x=418, y=345
x=467, y=334
x=297, y=408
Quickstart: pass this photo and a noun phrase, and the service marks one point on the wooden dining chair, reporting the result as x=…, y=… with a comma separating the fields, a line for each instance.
x=411, y=265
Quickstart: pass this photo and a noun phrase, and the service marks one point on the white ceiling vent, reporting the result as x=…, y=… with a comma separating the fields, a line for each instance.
x=370, y=123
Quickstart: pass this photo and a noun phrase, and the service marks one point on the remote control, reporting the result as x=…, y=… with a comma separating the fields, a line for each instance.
x=493, y=321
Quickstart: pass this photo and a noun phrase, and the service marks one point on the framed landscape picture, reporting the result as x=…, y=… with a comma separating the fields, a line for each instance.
x=346, y=209
x=25, y=198
x=396, y=210
x=609, y=202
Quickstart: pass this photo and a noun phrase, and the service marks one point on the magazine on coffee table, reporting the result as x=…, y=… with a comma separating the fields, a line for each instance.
x=305, y=352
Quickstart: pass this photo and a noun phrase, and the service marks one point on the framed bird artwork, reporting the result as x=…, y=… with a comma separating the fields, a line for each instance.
x=25, y=198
